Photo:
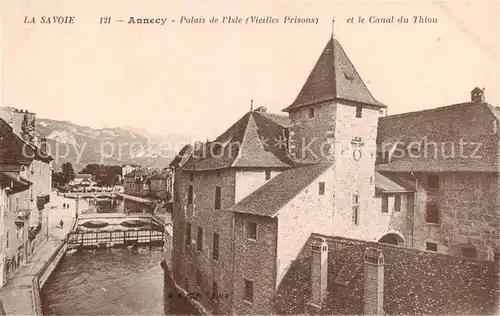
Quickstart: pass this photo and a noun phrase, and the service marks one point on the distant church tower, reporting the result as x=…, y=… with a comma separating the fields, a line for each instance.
x=334, y=118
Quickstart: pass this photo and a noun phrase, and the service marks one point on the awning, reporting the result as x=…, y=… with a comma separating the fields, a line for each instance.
x=14, y=181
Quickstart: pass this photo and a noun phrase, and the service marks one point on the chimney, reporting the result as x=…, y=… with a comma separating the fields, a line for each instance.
x=43, y=144
x=477, y=95
x=319, y=271
x=374, y=282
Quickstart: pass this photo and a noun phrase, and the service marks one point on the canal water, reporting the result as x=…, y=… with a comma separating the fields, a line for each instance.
x=118, y=204
x=113, y=281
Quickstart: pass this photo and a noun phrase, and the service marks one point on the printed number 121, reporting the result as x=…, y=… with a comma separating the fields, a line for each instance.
x=105, y=20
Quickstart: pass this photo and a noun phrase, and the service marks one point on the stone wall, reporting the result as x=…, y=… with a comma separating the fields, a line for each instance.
x=415, y=282
x=311, y=132
x=261, y=251
x=187, y=259
x=354, y=173
x=469, y=210
x=393, y=222
x=250, y=180
x=306, y=213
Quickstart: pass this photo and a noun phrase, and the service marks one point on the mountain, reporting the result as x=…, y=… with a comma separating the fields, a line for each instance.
x=82, y=145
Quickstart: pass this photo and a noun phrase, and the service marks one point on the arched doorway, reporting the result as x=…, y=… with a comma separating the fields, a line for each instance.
x=392, y=239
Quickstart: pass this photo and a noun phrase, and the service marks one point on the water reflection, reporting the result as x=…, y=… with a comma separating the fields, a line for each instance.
x=113, y=282
x=118, y=205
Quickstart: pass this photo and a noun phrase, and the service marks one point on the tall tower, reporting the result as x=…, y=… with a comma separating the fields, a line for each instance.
x=334, y=118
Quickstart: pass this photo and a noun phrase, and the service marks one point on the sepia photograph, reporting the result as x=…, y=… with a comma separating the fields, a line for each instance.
x=257, y=157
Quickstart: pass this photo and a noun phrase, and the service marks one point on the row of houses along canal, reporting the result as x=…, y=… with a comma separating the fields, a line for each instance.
x=119, y=275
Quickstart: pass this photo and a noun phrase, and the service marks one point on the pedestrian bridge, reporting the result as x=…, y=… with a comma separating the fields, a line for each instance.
x=89, y=195
x=117, y=229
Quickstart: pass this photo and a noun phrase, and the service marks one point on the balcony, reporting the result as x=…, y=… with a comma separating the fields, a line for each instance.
x=33, y=232
x=41, y=200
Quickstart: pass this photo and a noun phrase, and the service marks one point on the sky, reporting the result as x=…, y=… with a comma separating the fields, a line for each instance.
x=198, y=79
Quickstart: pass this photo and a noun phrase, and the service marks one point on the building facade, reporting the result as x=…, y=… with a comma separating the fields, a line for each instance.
x=319, y=170
x=454, y=159
x=162, y=185
x=25, y=176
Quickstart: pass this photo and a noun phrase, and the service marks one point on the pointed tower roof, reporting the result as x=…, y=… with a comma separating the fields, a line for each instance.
x=256, y=140
x=334, y=77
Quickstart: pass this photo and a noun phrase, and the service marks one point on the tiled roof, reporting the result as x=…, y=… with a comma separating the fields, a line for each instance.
x=164, y=174
x=415, y=282
x=12, y=148
x=182, y=156
x=454, y=138
x=334, y=77
x=277, y=192
x=258, y=139
x=393, y=183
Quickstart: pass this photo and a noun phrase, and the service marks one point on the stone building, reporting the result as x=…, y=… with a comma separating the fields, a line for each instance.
x=454, y=159
x=161, y=184
x=26, y=175
x=138, y=182
x=248, y=202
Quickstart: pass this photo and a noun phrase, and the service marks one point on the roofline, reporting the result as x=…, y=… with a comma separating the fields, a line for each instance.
x=437, y=109
x=435, y=171
x=276, y=213
x=320, y=102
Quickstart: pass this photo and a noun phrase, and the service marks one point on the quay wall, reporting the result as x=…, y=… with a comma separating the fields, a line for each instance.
x=135, y=198
x=42, y=275
x=182, y=293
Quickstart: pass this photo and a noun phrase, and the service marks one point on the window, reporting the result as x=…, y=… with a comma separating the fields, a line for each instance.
x=355, y=209
x=251, y=230
x=199, y=244
x=198, y=278
x=359, y=111
x=268, y=174
x=355, y=215
x=496, y=256
x=311, y=112
x=433, y=182
x=469, y=251
x=191, y=176
x=431, y=246
x=248, y=291
x=321, y=189
x=188, y=235
x=385, y=204
x=215, y=291
x=397, y=203
x=432, y=213
x=216, y=149
x=217, y=198
x=215, y=252
x=355, y=199
x=7, y=238
x=217, y=173
x=190, y=194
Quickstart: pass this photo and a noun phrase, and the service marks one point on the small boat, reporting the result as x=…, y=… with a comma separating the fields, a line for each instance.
x=70, y=251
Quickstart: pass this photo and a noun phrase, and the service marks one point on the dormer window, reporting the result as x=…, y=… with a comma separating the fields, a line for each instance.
x=216, y=149
x=311, y=112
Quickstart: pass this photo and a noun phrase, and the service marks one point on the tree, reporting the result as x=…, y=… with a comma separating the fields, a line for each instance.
x=68, y=174
x=27, y=129
x=57, y=179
